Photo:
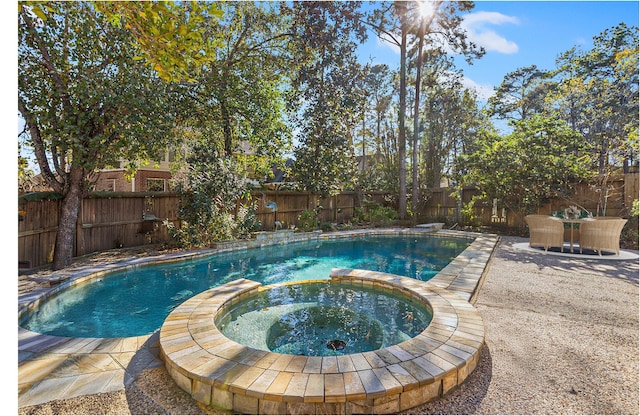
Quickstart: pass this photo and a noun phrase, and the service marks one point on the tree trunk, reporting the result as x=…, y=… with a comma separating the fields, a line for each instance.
x=226, y=128
x=402, y=141
x=225, y=115
x=69, y=208
x=416, y=128
x=364, y=148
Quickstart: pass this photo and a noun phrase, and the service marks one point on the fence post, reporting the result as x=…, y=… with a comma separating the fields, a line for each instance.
x=334, y=209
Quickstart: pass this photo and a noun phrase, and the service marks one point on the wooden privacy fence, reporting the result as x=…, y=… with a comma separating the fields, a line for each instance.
x=614, y=201
x=134, y=219
x=335, y=209
x=121, y=220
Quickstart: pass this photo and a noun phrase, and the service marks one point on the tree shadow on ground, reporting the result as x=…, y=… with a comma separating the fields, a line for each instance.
x=150, y=390
x=626, y=270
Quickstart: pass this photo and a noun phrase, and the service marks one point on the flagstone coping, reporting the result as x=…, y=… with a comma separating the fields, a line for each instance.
x=223, y=373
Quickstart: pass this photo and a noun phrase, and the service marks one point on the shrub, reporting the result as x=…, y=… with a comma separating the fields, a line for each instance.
x=308, y=220
x=358, y=215
x=380, y=215
x=246, y=221
x=629, y=237
x=327, y=226
x=213, y=185
x=375, y=214
x=468, y=214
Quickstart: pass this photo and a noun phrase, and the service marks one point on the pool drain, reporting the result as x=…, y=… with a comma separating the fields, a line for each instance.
x=336, y=344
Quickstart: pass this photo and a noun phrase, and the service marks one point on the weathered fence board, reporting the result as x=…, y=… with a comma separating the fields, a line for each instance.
x=37, y=227
x=613, y=201
x=103, y=223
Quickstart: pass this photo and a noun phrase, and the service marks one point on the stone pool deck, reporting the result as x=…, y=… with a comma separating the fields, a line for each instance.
x=56, y=368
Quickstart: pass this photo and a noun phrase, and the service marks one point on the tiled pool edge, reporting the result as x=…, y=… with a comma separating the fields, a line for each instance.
x=220, y=372
x=35, y=384
x=464, y=274
x=62, y=280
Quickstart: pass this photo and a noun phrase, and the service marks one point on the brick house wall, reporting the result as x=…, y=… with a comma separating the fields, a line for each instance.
x=111, y=181
x=152, y=180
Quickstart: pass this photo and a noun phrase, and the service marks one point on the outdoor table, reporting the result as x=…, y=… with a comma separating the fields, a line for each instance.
x=571, y=222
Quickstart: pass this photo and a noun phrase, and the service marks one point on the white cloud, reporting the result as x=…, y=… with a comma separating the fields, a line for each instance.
x=388, y=44
x=476, y=24
x=494, y=18
x=484, y=91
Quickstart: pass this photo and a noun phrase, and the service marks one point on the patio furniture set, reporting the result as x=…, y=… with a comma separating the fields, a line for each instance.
x=601, y=234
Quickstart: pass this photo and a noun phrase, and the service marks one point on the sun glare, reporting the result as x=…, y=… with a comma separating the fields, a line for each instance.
x=425, y=8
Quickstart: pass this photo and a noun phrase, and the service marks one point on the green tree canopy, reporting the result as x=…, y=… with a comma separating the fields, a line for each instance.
x=326, y=100
x=520, y=95
x=237, y=98
x=400, y=23
x=169, y=35
x=598, y=94
x=543, y=158
x=86, y=101
x=209, y=209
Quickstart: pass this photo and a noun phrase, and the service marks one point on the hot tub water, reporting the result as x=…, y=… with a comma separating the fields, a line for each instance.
x=323, y=319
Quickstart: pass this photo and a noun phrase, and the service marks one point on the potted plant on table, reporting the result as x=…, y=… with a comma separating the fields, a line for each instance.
x=573, y=212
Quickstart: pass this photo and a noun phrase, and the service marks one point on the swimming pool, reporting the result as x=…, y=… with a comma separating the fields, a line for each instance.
x=136, y=302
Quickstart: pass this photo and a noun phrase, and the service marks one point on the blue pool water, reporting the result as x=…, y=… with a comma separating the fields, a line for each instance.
x=136, y=302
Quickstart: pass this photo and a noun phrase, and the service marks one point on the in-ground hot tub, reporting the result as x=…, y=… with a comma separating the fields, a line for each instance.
x=392, y=377
x=323, y=319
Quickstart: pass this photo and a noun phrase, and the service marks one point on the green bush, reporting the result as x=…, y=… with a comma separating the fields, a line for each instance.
x=208, y=202
x=358, y=215
x=308, y=220
x=246, y=221
x=327, y=226
x=629, y=236
x=382, y=215
x=468, y=215
x=375, y=214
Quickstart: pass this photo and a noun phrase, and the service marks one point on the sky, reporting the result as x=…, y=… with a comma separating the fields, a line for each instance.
x=517, y=34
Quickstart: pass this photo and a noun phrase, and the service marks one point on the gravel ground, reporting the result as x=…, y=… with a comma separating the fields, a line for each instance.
x=561, y=335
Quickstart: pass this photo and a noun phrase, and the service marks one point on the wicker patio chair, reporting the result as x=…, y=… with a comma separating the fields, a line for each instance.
x=545, y=231
x=602, y=234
